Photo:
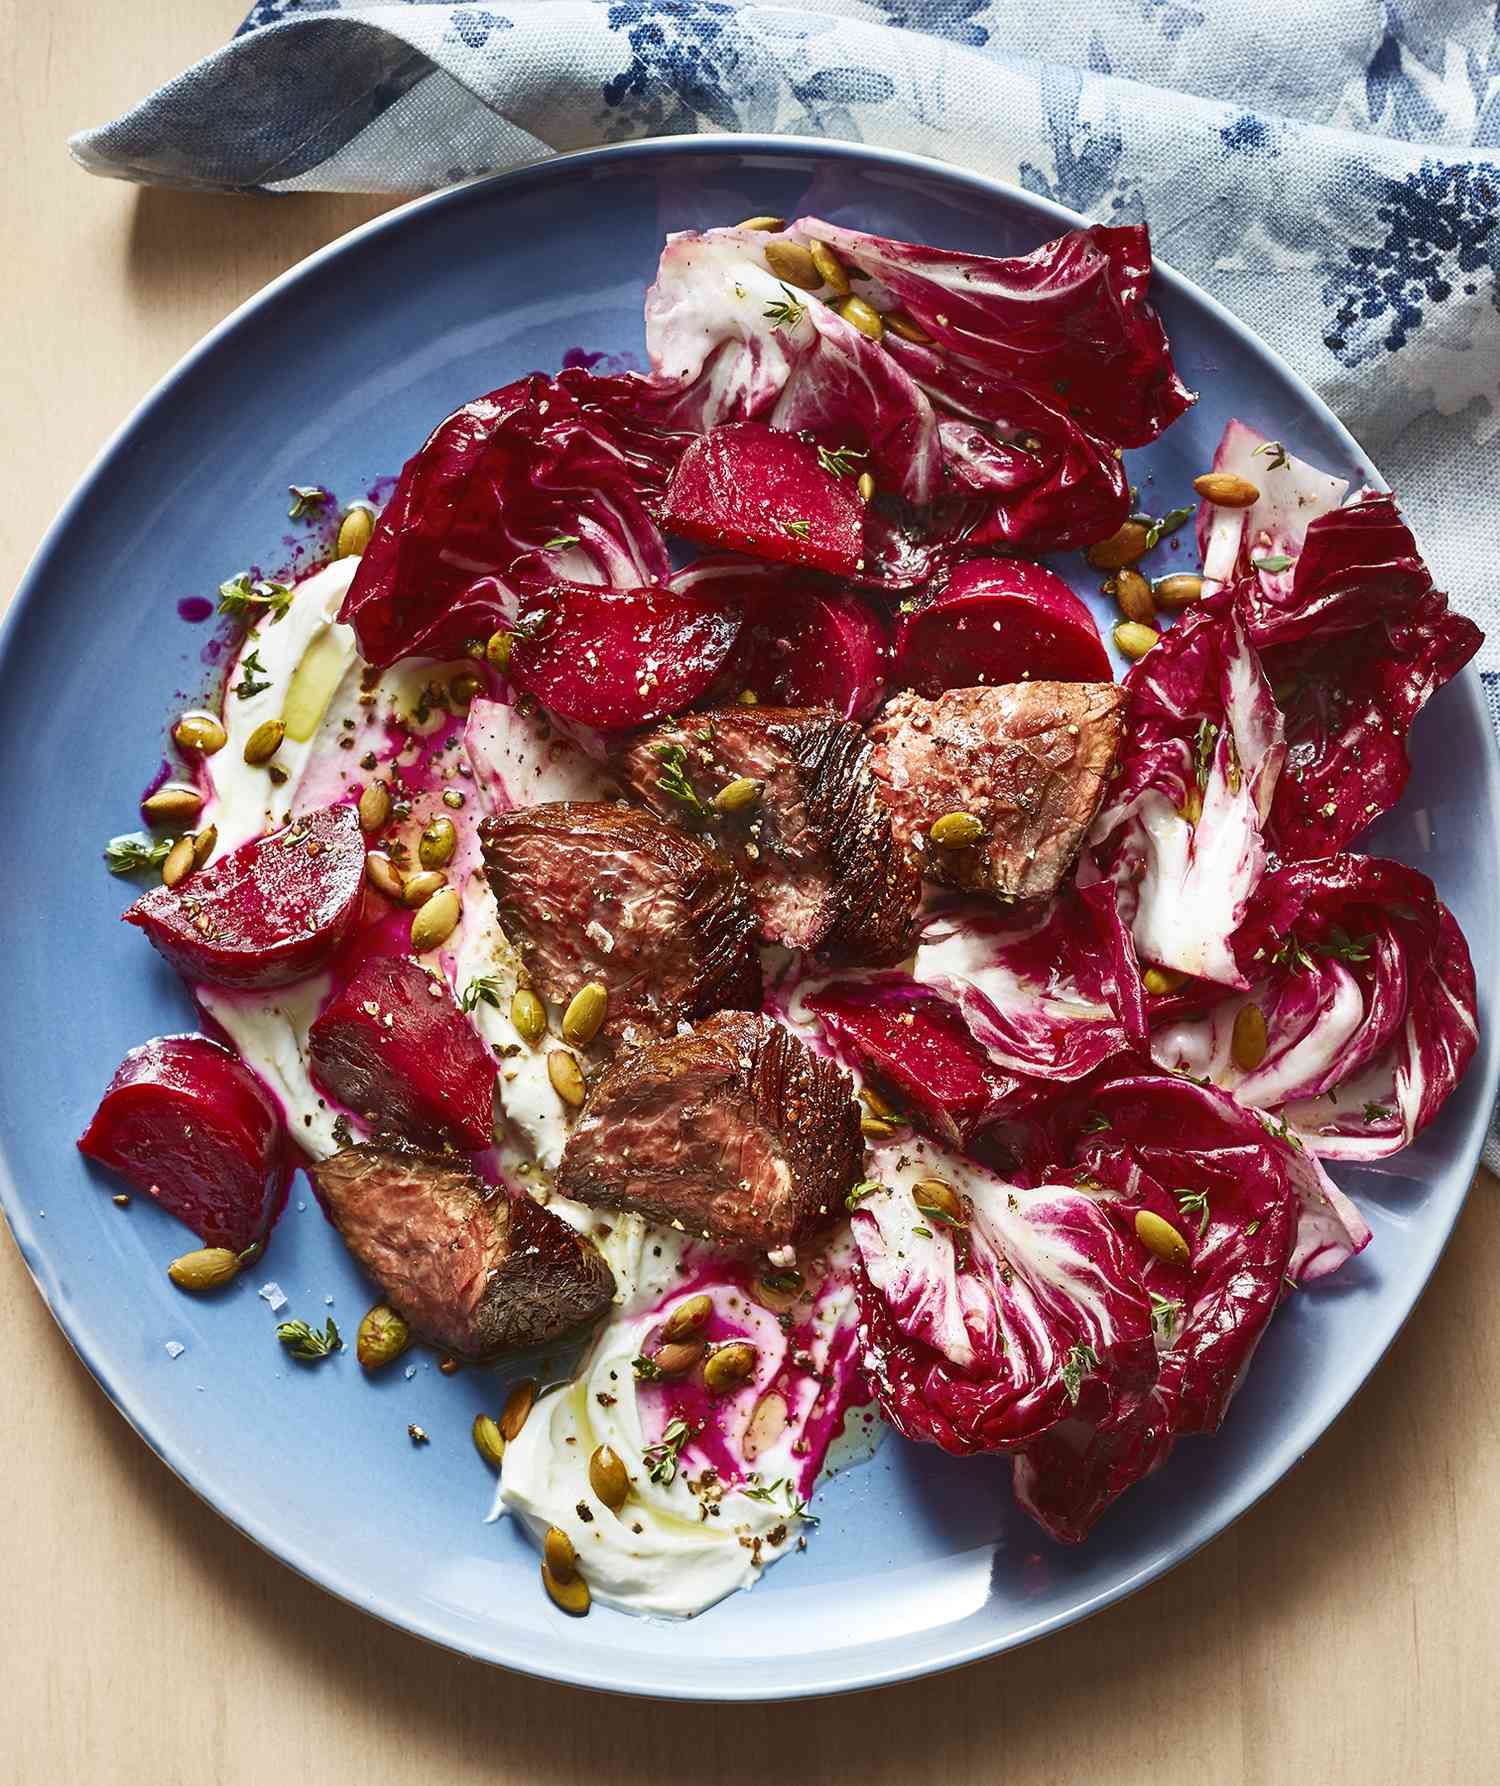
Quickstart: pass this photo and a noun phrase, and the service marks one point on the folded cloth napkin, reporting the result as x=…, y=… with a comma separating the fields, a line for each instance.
x=1331, y=173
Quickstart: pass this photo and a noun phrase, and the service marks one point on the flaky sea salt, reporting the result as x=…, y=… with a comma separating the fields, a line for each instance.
x=175, y=1348
x=271, y=1295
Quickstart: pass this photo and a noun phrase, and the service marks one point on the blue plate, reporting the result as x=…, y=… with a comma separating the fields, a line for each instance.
x=333, y=374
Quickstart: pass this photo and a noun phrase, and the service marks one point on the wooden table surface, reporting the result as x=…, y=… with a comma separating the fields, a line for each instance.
x=1344, y=1631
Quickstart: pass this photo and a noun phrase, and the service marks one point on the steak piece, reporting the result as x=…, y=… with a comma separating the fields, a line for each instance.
x=1028, y=759
x=473, y=1271
x=738, y=1131
x=816, y=845
x=596, y=891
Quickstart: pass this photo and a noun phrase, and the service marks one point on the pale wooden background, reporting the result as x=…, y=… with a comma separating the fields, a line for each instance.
x=1344, y=1631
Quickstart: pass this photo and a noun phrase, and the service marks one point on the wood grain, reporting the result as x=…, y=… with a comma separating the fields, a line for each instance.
x=1344, y=1631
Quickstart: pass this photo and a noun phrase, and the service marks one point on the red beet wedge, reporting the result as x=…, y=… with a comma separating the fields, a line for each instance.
x=275, y=910
x=811, y=648
x=403, y=1057
x=765, y=491
x=997, y=620
x=190, y=1126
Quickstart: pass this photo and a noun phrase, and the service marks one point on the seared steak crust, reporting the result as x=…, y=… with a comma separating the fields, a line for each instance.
x=600, y=891
x=737, y=1131
x=473, y=1271
x=818, y=850
x=1029, y=759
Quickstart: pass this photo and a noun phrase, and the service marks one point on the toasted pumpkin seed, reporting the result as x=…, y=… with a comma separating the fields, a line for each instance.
x=1133, y=596
x=608, y=1478
x=568, y=1596
x=727, y=1367
x=383, y=1336
x=736, y=795
x=173, y=803
x=831, y=269
x=205, y=1269
x=1123, y=547
x=1162, y=980
x=497, y=651
x=489, y=1441
x=437, y=843
x=462, y=690
x=877, y=1105
x=876, y=1128
x=203, y=844
x=264, y=742
x=899, y=323
x=1159, y=1237
x=567, y=1078
x=1248, y=1040
x=200, y=732
x=862, y=316
x=354, y=532
x=935, y=1196
x=747, y=697
x=419, y=888
x=435, y=922
x=791, y=262
x=1180, y=590
x=529, y=1016
x=1135, y=639
x=772, y=225
x=383, y=875
x=559, y=1555
x=585, y=1013
x=678, y=1357
x=956, y=830
x=375, y=807
x=766, y=1425
x=1226, y=491
x=179, y=862
x=866, y=486
x=518, y=1406
x=688, y=1318
x=1192, y=806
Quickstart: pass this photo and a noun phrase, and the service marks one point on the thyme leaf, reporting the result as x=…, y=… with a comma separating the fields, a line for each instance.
x=306, y=1343
x=673, y=779
x=252, y=667
x=840, y=462
x=1076, y=1366
x=1276, y=454
x=134, y=850
x=307, y=499
x=661, y=1459
x=1276, y=561
x=481, y=990
x=785, y=314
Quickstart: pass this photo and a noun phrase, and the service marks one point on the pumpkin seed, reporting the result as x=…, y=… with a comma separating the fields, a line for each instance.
x=566, y=1077
x=791, y=262
x=462, y=690
x=435, y=922
x=203, y=844
x=747, y=697
x=375, y=807
x=559, y=1555
x=173, y=803
x=1134, y=639
x=264, y=742
x=678, y=1357
x=935, y=1196
x=437, y=843
x=1162, y=980
x=1133, y=596
x=772, y=225
x=877, y=1105
x=1192, y=806
x=497, y=651
x=1226, y=491
x=956, y=830
x=585, y=1013
x=489, y=1442
x=179, y=863
x=899, y=323
x=383, y=875
x=1180, y=590
x=688, y=1318
x=1123, y=547
x=200, y=732
x=205, y=1269
x=859, y=315
x=518, y=1405
x=354, y=532
x=529, y=1016
x=419, y=888
x=866, y=486
x=608, y=1478
x=383, y=1336
x=1248, y=1040
x=727, y=1367
x=1159, y=1237
x=876, y=1128
x=831, y=269
x=571, y=1597
x=766, y=1425
x=736, y=795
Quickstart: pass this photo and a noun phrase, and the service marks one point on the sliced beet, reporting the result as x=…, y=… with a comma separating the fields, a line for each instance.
x=917, y=1049
x=811, y=648
x=190, y=1126
x=613, y=658
x=275, y=910
x=752, y=488
x=996, y=620
x=472, y=1270
x=393, y=1047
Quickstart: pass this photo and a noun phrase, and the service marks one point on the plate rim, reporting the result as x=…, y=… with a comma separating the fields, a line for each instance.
x=319, y=1570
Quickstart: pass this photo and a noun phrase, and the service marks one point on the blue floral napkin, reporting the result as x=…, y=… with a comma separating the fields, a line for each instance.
x=1330, y=172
